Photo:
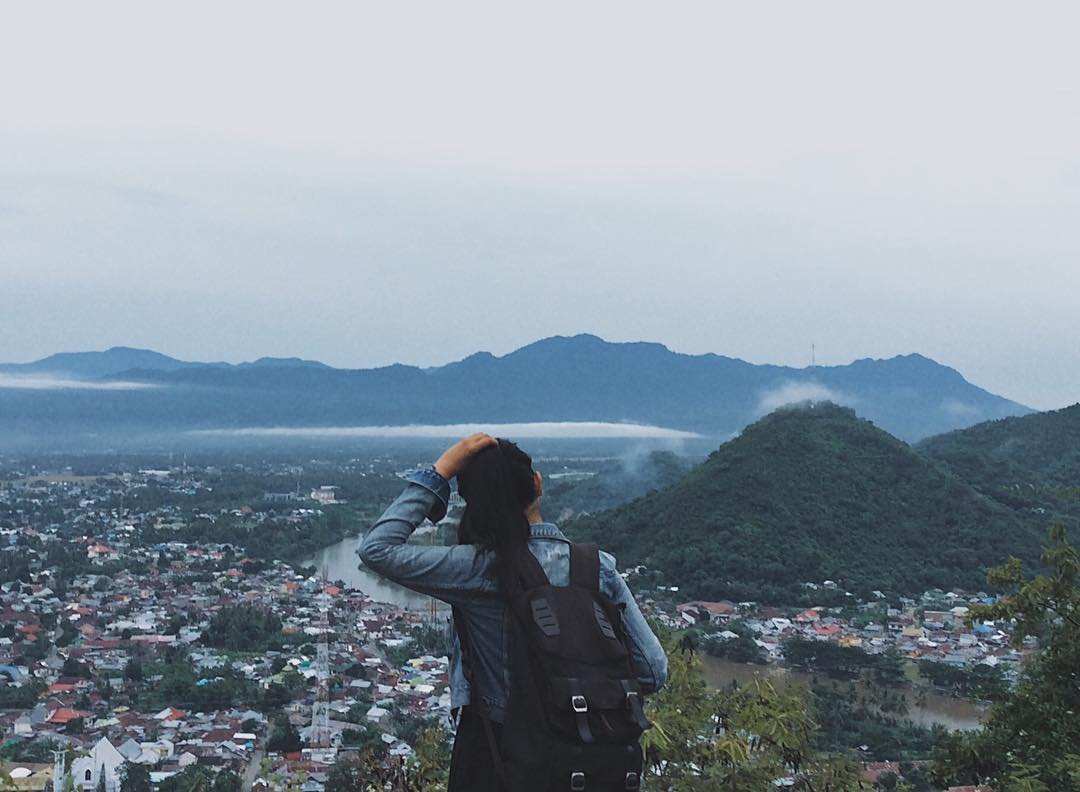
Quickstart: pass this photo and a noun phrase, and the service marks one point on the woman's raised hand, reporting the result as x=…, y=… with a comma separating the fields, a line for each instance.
x=456, y=457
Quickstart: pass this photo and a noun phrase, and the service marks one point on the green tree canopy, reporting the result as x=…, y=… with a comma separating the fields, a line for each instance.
x=135, y=778
x=243, y=628
x=1031, y=741
x=741, y=740
x=283, y=736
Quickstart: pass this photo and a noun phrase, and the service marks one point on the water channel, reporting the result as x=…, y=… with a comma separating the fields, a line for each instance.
x=341, y=563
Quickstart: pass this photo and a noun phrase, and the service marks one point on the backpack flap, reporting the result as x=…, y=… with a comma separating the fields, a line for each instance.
x=598, y=709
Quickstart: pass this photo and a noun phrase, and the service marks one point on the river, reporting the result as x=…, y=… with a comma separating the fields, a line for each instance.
x=342, y=563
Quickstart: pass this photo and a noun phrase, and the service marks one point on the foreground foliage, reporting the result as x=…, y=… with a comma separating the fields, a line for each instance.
x=738, y=740
x=1031, y=742
x=371, y=770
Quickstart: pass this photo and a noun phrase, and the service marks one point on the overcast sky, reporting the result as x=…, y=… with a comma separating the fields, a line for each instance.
x=365, y=184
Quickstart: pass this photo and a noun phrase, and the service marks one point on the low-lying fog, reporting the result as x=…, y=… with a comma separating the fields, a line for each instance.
x=562, y=429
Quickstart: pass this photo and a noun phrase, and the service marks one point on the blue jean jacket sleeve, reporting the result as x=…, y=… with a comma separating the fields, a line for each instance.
x=431, y=479
x=442, y=572
x=646, y=652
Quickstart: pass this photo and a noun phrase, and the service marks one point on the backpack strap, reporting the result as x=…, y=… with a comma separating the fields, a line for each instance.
x=585, y=566
x=581, y=710
x=530, y=572
x=633, y=703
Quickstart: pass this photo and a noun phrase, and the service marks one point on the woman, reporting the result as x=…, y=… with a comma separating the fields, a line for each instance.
x=502, y=495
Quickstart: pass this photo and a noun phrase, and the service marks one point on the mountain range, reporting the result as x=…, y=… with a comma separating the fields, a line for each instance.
x=578, y=378
x=118, y=360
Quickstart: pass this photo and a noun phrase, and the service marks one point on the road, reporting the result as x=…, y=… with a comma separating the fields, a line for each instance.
x=251, y=772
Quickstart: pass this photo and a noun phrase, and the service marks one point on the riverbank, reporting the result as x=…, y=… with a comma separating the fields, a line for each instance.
x=924, y=707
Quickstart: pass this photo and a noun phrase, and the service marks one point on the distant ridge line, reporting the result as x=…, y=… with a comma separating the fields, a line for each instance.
x=580, y=378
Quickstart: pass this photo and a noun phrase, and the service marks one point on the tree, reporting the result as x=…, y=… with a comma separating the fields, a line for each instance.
x=432, y=640
x=740, y=740
x=274, y=697
x=135, y=778
x=741, y=649
x=367, y=773
x=364, y=737
x=176, y=621
x=346, y=775
x=67, y=634
x=133, y=670
x=225, y=781
x=243, y=628
x=284, y=737
x=1031, y=740
x=73, y=668
x=429, y=770
x=981, y=682
x=838, y=661
x=101, y=780
x=22, y=696
x=36, y=750
x=194, y=778
x=679, y=712
x=889, y=668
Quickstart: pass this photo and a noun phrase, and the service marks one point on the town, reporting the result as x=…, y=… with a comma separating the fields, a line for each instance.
x=135, y=653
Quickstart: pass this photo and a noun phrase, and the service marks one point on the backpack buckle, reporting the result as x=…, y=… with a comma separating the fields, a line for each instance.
x=633, y=700
x=577, y=782
x=580, y=705
x=633, y=781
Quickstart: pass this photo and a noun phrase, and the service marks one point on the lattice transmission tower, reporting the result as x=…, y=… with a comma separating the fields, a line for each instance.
x=320, y=709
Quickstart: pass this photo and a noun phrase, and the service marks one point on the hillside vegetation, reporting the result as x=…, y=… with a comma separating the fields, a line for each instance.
x=1031, y=464
x=807, y=494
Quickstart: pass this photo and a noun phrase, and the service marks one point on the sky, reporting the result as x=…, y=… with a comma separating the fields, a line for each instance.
x=373, y=183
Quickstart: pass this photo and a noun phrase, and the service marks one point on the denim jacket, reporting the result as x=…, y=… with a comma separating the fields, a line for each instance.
x=461, y=575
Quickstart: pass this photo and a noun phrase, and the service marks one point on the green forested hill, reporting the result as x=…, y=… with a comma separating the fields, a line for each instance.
x=1031, y=464
x=811, y=493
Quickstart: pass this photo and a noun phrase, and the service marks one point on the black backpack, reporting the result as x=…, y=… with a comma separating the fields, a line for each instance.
x=574, y=717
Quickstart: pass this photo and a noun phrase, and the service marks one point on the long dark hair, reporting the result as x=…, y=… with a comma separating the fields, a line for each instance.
x=497, y=485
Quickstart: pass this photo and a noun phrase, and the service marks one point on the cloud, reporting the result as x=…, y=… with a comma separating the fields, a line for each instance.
x=565, y=429
x=45, y=382
x=795, y=392
x=959, y=409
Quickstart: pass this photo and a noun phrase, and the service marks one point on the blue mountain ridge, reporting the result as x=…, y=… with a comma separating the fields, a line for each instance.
x=562, y=378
